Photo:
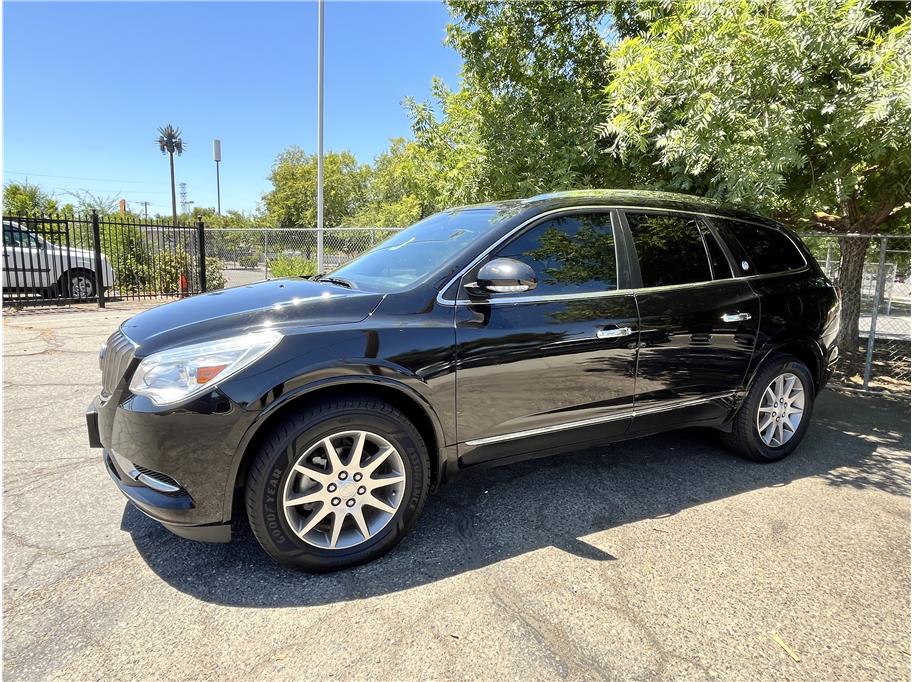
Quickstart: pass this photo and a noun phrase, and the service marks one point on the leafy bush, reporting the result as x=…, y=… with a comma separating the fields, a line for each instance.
x=250, y=260
x=292, y=266
x=215, y=273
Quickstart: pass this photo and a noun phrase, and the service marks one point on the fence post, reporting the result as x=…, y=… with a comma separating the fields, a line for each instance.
x=201, y=231
x=99, y=270
x=878, y=294
x=265, y=256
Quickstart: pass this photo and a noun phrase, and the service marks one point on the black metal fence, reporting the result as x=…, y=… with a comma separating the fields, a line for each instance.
x=68, y=259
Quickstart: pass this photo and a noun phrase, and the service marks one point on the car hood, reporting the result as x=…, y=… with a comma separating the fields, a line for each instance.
x=274, y=304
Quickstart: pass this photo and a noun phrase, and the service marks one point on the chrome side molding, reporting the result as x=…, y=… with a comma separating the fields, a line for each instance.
x=629, y=414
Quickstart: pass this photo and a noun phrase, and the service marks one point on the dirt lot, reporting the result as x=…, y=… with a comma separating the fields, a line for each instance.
x=664, y=557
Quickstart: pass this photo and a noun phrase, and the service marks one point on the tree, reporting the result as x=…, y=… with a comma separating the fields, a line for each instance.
x=524, y=118
x=801, y=109
x=170, y=143
x=25, y=200
x=86, y=202
x=293, y=199
x=399, y=191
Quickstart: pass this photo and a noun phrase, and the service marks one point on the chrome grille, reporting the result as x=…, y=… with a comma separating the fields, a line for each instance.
x=116, y=359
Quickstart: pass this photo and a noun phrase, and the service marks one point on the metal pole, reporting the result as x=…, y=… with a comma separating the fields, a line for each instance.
x=99, y=270
x=878, y=294
x=320, y=137
x=829, y=259
x=201, y=239
x=218, y=189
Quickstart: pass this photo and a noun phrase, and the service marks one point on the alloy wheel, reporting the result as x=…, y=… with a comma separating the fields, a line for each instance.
x=344, y=489
x=81, y=287
x=781, y=410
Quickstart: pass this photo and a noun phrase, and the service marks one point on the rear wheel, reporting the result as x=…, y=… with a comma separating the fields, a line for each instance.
x=338, y=484
x=775, y=415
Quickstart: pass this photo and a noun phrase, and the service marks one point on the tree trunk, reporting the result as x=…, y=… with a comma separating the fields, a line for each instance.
x=173, y=195
x=851, y=272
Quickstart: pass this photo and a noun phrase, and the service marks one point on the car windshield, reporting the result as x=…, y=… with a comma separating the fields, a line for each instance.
x=412, y=254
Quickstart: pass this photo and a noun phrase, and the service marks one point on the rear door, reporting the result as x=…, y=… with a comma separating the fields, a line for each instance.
x=698, y=322
x=554, y=365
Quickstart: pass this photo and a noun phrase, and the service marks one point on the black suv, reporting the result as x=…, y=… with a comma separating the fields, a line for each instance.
x=483, y=334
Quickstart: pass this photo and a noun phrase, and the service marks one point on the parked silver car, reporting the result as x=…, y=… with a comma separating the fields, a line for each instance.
x=34, y=264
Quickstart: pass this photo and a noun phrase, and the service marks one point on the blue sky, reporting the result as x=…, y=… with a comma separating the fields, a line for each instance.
x=85, y=86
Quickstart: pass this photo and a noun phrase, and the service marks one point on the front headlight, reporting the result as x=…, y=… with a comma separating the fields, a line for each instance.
x=174, y=375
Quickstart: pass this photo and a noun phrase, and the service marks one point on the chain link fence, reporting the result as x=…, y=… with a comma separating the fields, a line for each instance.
x=254, y=254
x=884, y=323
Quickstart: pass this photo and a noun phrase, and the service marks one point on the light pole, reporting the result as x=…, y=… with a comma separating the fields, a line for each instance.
x=320, y=137
x=217, y=157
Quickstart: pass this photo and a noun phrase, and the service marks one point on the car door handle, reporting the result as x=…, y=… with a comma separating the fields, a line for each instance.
x=736, y=317
x=614, y=332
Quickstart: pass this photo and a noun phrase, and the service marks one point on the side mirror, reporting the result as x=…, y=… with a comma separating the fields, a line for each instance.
x=505, y=276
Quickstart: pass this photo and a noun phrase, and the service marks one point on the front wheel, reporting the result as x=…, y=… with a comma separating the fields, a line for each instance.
x=79, y=284
x=775, y=415
x=337, y=484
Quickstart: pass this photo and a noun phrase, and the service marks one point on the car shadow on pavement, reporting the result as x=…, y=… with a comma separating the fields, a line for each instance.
x=486, y=516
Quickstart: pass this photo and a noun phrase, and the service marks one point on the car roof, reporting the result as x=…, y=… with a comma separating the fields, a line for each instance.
x=628, y=198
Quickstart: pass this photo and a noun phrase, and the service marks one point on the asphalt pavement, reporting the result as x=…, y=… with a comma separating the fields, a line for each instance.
x=660, y=558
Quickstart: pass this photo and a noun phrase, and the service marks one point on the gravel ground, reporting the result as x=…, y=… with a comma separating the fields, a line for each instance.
x=663, y=557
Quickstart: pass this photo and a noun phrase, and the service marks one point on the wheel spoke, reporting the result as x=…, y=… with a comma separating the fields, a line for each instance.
x=377, y=460
x=789, y=385
x=357, y=449
x=315, y=518
x=338, y=520
x=384, y=481
x=306, y=499
x=335, y=462
x=768, y=436
x=318, y=476
x=769, y=420
x=372, y=501
x=358, y=516
x=779, y=435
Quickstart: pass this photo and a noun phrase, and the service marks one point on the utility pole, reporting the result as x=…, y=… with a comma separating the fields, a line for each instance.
x=320, y=137
x=217, y=157
x=145, y=209
x=183, y=187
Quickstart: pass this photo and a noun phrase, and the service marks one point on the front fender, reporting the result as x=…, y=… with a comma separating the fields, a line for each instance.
x=318, y=380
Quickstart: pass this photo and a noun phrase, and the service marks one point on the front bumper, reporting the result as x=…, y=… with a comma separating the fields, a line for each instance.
x=176, y=465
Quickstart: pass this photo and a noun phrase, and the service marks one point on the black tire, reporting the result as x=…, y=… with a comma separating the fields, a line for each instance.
x=273, y=462
x=744, y=438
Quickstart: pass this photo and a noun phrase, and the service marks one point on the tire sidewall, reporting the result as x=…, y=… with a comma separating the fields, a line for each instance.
x=281, y=541
x=779, y=366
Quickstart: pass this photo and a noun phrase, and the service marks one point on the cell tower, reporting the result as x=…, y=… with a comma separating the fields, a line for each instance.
x=184, y=207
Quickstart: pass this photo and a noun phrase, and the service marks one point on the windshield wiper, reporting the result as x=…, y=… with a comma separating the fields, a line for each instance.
x=341, y=281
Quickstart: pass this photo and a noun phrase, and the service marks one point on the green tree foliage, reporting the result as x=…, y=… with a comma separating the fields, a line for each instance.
x=801, y=109
x=524, y=119
x=293, y=199
x=399, y=191
x=26, y=200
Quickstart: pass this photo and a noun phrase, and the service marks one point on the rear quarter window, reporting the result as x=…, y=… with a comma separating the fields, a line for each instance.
x=764, y=250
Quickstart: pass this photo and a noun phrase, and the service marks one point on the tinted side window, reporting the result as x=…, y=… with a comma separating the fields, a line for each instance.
x=769, y=250
x=720, y=266
x=669, y=248
x=570, y=255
